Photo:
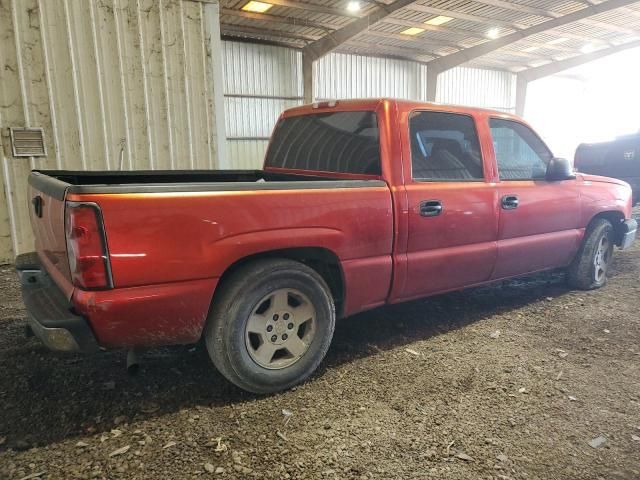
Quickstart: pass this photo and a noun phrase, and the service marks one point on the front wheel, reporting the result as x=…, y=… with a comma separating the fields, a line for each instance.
x=270, y=325
x=592, y=262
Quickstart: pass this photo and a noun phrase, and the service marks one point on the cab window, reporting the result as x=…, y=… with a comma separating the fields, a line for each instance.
x=444, y=147
x=520, y=153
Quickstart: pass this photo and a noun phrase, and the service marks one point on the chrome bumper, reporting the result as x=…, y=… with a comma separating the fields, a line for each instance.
x=49, y=313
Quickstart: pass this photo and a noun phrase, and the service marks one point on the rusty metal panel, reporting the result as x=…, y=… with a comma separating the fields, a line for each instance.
x=477, y=87
x=114, y=84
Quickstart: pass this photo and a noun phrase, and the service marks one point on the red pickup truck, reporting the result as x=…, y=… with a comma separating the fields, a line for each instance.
x=360, y=204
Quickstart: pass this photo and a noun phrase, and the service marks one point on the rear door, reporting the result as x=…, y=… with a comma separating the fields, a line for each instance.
x=539, y=220
x=452, y=217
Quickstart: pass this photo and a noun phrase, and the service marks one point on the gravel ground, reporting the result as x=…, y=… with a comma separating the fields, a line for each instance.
x=511, y=381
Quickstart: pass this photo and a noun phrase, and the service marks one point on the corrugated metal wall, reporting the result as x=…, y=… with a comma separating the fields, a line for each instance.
x=260, y=81
x=477, y=87
x=252, y=107
x=107, y=80
x=340, y=75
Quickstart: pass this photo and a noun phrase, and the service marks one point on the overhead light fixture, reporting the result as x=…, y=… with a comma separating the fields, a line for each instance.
x=439, y=20
x=493, y=33
x=588, y=48
x=257, y=7
x=412, y=31
x=556, y=41
x=353, y=6
x=530, y=49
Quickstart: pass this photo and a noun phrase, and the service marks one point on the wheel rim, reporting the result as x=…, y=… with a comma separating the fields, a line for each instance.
x=280, y=328
x=601, y=259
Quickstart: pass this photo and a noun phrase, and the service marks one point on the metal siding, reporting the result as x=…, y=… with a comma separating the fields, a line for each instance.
x=106, y=79
x=340, y=75
x=263, y=80
x=477, y=87
x=260, y=81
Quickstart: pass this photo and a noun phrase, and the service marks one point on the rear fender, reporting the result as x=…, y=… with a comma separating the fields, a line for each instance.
x=230, y=250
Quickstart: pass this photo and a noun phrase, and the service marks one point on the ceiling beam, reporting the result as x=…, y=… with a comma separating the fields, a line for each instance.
x=552, y=68
x=433, y=28
x=228, y=29
x=468, y=34
x=266, y=17
x=540, y=12
x=395, y=52
x=311, y=7
x=321, y=47
x=450, y=61
x=418, y=7
x=483, y=21
x=517, y=7
x=416, y=40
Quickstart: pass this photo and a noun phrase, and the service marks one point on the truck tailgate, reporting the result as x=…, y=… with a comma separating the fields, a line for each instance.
x=47, y=221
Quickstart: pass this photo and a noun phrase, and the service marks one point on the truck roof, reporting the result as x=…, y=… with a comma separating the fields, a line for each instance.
x=374, y=103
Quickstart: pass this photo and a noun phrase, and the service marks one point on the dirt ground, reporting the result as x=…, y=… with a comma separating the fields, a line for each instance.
x=505, y=382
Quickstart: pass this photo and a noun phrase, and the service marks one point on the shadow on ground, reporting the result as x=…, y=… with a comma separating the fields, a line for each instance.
x=51, y=397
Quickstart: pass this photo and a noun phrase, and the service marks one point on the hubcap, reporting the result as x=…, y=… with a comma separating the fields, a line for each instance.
x=601, y=259
x=280, y=328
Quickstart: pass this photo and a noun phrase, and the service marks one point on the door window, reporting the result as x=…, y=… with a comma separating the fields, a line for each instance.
x=520, y=153
x=444, y=147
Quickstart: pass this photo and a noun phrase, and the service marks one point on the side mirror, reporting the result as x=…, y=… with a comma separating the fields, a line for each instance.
x=560, y=169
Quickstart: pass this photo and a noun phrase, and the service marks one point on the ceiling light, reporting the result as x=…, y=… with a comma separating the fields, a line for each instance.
x=588, y=48
x=257, y=7
x=556, y=41
x=530, y=49
x=493, y=33
x=439, y=20
x=412, y=31
x=353, y=6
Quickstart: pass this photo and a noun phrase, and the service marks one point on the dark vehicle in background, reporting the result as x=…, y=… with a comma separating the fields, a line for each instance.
x=619, y=158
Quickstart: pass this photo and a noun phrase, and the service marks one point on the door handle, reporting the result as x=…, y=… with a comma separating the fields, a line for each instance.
x=509, y=202
x=430, y=208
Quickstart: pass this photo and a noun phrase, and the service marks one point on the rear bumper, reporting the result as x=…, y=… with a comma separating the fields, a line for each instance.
x=628, y=233
x=49, y=312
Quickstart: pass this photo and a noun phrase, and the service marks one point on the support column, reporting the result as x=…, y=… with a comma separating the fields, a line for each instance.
x=307, y=77
x=521, y=93
x=216, y=83
x=432, y=82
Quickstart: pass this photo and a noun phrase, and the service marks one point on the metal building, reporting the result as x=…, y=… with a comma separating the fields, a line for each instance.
x=113, y=85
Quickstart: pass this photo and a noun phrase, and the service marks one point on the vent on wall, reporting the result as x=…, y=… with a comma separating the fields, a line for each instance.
x=28, y=142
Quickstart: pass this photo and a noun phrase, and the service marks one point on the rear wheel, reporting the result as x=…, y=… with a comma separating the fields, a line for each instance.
x=270, y=325
x=592, y=262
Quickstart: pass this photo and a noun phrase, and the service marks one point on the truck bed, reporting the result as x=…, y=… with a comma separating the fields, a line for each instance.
x=58, y=183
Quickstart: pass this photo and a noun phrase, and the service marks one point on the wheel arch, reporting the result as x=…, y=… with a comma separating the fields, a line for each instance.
x=615, y=217
x=324, y=261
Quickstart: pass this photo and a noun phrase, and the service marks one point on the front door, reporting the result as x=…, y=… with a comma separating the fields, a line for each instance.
x=539, y=221
x=452, y=218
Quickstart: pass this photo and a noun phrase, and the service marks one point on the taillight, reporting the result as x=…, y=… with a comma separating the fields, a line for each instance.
x=86, y=246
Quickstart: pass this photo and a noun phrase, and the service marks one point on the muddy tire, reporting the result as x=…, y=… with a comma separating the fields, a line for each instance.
x=271, y=325
x=592, y=262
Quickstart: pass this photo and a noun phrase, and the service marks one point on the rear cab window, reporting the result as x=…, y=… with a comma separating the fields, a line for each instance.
x=339, y=142
x=444, y=147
